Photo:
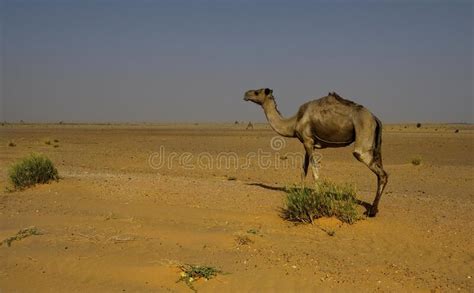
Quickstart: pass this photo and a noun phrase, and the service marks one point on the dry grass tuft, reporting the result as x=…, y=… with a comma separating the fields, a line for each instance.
x=35, y=169
x=23, y=233
x=243, y=240
x=326, y=200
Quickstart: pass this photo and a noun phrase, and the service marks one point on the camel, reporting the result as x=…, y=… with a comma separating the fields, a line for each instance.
x=330, y=122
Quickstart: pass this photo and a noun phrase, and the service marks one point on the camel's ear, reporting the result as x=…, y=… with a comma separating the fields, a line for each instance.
x=268, y=92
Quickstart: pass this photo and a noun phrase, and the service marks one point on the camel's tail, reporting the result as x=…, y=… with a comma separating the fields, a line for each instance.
x=378, y=141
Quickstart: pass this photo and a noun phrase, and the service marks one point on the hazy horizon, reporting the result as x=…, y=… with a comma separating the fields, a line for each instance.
x=180, y=61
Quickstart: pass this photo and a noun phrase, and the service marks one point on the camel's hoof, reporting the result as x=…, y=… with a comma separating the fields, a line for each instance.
x=372, y=212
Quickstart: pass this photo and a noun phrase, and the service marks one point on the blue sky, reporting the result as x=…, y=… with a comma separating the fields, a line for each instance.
x=165, y=61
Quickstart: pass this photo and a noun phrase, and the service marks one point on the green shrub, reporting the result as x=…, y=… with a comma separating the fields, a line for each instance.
x=326, y=200
x=32, y=170
x=191, y=273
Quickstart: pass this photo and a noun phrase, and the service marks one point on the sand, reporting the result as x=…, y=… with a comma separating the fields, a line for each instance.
x=119, y=221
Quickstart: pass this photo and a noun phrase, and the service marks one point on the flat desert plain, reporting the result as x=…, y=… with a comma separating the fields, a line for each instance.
x=135, y=202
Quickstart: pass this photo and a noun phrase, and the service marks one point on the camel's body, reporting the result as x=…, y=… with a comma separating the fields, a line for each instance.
x=330, y=121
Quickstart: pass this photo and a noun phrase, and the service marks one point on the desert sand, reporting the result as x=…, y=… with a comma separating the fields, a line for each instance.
x=119, y=222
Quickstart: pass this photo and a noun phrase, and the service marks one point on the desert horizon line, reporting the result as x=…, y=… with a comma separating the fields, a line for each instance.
x=184, y=122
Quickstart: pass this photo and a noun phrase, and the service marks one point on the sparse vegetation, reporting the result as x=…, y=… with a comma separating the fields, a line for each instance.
x=243, y=240
x=416, y=161
x=47, y=142
x=253, y=231
x=418, y=125
x=326, y=200
x=32, y=170
x=456, y=131
x=56, y=141
x=191, y=273
x=23, y=233
x=330, y=232
x=11, y=144
x=231, y=178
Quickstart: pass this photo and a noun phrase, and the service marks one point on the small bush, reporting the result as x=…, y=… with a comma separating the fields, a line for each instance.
x=32, y=170
x=191, y=273
x=416, y=161
x=418, y=125
x=47, y=142
x=11, y=144
x=326, y=200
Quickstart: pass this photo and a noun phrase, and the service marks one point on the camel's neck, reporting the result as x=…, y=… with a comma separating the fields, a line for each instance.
x=284, y=127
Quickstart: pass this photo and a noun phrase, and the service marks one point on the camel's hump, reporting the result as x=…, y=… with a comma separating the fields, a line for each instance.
x=335, y=97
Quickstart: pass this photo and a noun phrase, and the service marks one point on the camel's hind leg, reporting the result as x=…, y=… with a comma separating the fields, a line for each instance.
x=382, y=179
x=367, y=149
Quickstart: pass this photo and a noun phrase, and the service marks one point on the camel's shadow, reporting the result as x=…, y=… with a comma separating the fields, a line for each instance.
x=266, y=186
x=361, y=203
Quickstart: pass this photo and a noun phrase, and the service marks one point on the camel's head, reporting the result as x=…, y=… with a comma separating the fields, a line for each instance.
x=258, y=96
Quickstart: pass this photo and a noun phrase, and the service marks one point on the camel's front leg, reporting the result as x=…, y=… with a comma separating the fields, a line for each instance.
x=311, y=159
x=315, y=166
x=304, y=172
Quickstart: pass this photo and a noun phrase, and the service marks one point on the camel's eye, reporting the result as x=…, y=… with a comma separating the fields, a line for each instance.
x=267, y=92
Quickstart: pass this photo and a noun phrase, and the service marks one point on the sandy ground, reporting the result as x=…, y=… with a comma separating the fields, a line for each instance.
x=118, y=221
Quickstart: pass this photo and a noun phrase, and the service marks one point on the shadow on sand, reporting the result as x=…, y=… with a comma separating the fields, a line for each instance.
x=266, y=186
